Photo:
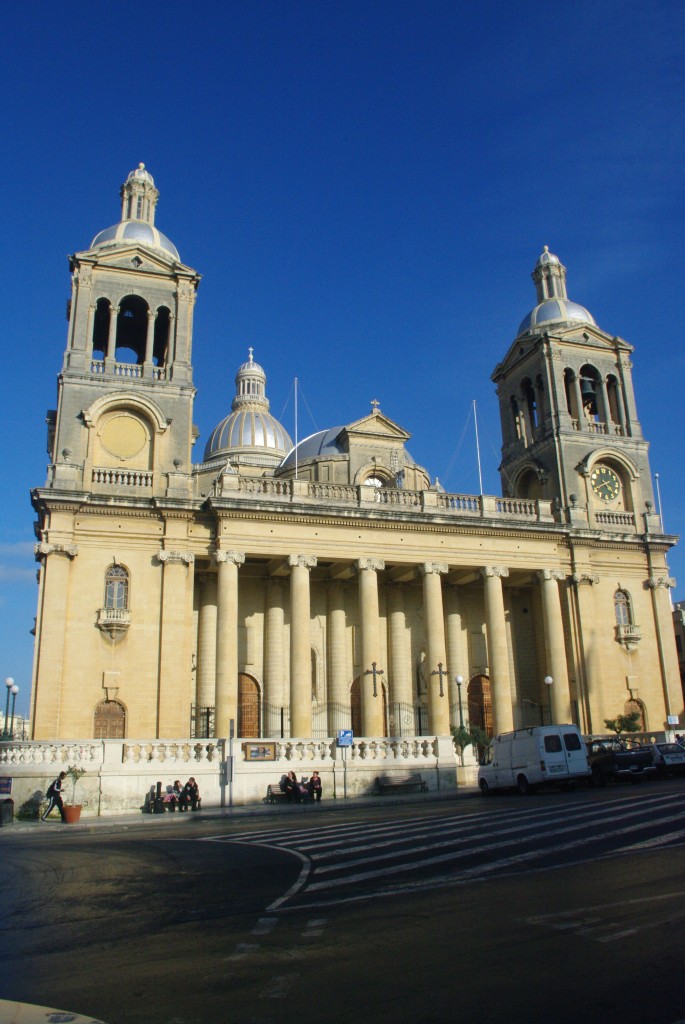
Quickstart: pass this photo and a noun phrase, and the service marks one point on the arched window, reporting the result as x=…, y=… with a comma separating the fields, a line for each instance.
x=623, y=608
x=116, y=587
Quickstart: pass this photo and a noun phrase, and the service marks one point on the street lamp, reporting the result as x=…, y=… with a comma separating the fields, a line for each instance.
x=548, y=684
x=9, y=683
x=15, y=691
x=459, y=680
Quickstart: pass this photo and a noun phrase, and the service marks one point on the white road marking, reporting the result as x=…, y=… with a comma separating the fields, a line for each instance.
x=264, y=926
x=279, y=986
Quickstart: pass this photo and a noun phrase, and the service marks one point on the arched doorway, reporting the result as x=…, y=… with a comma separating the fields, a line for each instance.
x=356, y=708
x=249, y=706
x=480, y=703
x=109, y=720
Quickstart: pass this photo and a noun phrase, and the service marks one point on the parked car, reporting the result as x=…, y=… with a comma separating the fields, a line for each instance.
x=612, y=759
x=669, y=758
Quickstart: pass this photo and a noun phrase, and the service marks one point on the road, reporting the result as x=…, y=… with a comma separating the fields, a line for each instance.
x=561, y=907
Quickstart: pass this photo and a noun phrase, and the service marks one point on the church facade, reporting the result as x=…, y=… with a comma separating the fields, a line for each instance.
x=274, y=591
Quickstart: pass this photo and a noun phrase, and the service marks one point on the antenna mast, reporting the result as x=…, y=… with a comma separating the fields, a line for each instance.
x=475, y=422
x=296, y=428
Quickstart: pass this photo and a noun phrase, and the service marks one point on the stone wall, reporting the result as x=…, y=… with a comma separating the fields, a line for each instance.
x=119, y=773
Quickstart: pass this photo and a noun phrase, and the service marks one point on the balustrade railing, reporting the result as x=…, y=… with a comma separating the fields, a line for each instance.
x=122, y=477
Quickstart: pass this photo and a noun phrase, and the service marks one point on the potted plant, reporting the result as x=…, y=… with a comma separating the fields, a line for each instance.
x=72, y=811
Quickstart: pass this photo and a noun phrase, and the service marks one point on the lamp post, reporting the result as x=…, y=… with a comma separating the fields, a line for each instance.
x=459, y=680
x=548, y=684
x=14, y=691
x=9, y=683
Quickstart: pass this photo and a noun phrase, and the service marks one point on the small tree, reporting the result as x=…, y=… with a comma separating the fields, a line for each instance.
x=462, y=739
x=624, y=723
x=74, y=773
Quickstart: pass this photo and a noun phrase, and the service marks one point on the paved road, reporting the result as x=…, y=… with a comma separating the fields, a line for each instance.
x=364, y=860
x=557, y=908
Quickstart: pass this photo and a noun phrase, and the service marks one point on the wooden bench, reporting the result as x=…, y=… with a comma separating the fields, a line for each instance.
x=274, y=793
x=401, y=781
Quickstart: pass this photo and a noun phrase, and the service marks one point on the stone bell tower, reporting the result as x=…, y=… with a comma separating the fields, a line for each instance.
x=123, y=422
x=569, y=421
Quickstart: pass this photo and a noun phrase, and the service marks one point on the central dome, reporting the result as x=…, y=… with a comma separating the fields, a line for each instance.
x=249, y=434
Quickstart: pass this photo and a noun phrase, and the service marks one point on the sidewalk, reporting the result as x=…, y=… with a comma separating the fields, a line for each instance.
x=304, y=812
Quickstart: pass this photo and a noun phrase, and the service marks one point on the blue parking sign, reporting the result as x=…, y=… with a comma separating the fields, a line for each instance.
x=345, y=737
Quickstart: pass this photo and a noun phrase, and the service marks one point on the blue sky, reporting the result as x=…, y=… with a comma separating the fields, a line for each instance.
x=365, y=188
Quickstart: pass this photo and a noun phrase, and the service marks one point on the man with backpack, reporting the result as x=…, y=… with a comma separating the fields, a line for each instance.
x=54, y=795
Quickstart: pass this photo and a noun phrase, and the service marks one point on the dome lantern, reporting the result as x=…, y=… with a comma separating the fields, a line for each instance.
x=138, y=204
x=554, y=305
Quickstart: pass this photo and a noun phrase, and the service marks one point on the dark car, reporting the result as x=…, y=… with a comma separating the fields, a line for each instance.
x=612, y=759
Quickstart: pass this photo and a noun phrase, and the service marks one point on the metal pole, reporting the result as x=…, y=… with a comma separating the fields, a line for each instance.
x=15, y=691
x=459, y=680
x=9, y=683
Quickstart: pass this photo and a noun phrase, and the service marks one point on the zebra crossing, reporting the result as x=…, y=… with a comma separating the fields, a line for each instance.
x=349, y=861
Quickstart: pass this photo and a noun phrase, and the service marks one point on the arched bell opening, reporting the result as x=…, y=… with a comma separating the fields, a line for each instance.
x=131, y=330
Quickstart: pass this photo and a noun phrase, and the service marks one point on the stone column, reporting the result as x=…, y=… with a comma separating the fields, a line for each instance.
x=498, y=649
x=373, y=723
x=175, y=668
x=438, y=676
x=560, y=697
x=300, y=646
x=401, y=682
x=338, y=676
x=150, y=337
x=112, y=338
x=275, y=691
x=51, y=639
x=662, y=610
x=456, y=661
x=589, y=652
x=579, y=401
x=226, y=699
x=206, y=641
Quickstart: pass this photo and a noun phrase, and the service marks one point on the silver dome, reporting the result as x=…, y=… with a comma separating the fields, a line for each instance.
x=127, y=231
x=322, y=443
x=248, y=428
x=555, y=311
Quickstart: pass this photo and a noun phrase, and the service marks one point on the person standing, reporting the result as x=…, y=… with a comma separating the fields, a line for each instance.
x=54, y=795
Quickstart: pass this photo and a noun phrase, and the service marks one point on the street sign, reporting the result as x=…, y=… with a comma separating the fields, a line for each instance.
x=345, y=737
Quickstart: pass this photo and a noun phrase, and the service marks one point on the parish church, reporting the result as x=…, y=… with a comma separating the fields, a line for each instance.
x=243, y=585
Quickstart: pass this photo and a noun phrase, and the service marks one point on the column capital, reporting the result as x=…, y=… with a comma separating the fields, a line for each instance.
x=152, y=314
x=654, y=582
x=182, y=557
x=304, y=561
x=494, y=570
x=584, y=577
x=43, y=549
x=551, y=574
x=430, y=568
x=236, y=557
x=376, y=564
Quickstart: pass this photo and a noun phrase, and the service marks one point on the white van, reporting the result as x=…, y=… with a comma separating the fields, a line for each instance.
x=540, y=756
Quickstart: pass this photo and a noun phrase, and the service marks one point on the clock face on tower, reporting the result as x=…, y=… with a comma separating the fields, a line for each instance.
x=605, y=483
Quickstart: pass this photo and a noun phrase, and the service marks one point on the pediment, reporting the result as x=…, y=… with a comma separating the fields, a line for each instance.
x=575, y=336
x=134, y=257
x=376, y=426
